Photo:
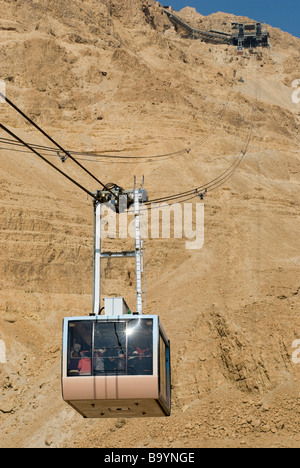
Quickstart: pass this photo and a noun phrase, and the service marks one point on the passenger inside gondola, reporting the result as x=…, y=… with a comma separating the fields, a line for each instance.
x=99, y=355
x=74, y=360
x=84, y=365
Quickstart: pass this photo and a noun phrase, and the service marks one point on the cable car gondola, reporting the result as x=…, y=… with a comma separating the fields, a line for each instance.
x=116, y=364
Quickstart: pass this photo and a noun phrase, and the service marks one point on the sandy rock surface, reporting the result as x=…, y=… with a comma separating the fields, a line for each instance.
x=114, y=77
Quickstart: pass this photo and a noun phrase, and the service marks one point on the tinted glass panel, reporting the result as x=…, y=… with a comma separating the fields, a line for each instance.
x=140, y=347
x=110, y=348
x=79, y=350
x=119, y=348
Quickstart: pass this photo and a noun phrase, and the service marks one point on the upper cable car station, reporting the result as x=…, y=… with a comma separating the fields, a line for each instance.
x=243, y=35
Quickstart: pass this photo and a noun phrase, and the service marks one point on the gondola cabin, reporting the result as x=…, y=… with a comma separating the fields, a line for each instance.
x=116, y=366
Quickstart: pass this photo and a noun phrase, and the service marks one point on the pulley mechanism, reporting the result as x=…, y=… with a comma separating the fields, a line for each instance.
x=116, y=197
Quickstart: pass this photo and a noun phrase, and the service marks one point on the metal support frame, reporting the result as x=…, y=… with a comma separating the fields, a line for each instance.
x=138, y=253
x=97, y=258
x=138, y=195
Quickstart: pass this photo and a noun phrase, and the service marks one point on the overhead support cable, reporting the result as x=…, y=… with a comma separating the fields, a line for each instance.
x=182, y=151
x=51, y=139
x=46, y=160
x=193, y=193
x=179, y=152
x=218, y=181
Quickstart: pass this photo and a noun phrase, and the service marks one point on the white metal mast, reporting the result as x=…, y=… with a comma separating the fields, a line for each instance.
x=135, y=197
x=138, y=252
x=97, y=258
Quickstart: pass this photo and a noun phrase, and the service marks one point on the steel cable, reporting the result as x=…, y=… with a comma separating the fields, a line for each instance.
x=49, y=138
x=46, y=160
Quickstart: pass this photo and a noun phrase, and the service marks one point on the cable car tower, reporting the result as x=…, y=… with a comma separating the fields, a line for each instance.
x=117, y=364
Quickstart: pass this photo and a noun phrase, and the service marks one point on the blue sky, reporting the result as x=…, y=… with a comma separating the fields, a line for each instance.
x=280, y=14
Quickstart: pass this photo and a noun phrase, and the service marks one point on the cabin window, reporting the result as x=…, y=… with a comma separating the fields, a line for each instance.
x=139, y=347
x=110, y=348
x=80, y=347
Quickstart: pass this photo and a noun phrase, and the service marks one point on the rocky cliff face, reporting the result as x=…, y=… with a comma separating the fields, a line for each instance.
x=115, y=77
